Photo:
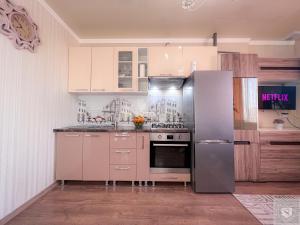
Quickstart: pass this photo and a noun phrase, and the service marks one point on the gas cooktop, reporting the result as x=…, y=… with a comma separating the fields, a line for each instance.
x=168, y=127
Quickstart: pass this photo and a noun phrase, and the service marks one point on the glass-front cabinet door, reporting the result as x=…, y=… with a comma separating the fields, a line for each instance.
x=126, y=69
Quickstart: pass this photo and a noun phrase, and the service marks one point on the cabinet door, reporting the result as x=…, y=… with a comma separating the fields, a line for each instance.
x=122, y=172
x=249, y=65
x=80, y=64
x=122, y=156
x=143, y=156
x=126, y=69
x=122, y=140
x=166, y=61
x=205, y=57
x=231, y=62
x=69, y=156
x=102, y=69
x=246, y=162
x=242, y=65
x=96, y=156
x=280, y=163
x=242, y=162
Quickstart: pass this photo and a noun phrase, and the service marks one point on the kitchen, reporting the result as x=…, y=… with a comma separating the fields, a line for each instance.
x=145, y=119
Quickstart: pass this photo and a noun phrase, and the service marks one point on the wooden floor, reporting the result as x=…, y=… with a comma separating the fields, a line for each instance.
x=94, y=204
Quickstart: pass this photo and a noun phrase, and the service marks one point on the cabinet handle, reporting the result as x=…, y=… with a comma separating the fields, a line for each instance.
x=72, y=135
x=101, y=89
x=119, y=151
x=171, y=145
x=92, y=135
x=81, y=89
x=122, y=168
x=242, y=142
x=171, y=178
x=122, y=135
x=143, y=142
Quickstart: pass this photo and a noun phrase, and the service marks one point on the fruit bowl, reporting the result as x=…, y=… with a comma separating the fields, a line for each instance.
x=138, y=121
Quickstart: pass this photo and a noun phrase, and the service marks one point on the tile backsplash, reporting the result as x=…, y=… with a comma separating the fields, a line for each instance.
x=158, y=106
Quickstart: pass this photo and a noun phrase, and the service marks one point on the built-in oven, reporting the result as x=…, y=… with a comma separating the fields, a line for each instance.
x=170, y=152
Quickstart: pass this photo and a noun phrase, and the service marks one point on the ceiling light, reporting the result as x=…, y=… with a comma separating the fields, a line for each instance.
x=172, y=88
x=154, y=88
x=166, y=56
x=191, y=5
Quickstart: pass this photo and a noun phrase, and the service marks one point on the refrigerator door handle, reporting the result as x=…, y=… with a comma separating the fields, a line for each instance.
x=218, y=141
x=171, y=145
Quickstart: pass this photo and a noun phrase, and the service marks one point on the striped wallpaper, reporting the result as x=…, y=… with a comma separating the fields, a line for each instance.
x=33, y=100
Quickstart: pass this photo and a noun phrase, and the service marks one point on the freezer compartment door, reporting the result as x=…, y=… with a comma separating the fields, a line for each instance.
x=214, y=168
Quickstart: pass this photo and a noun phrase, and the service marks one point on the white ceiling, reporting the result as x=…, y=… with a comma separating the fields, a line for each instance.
x=256, y=19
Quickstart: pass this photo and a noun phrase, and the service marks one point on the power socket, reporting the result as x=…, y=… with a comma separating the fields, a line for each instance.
x=285, y=115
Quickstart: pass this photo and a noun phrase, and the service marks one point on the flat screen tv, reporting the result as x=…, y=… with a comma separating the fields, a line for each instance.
x=277, y=97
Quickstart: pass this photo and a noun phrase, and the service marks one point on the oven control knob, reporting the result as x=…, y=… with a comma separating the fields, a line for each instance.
x=159, y=136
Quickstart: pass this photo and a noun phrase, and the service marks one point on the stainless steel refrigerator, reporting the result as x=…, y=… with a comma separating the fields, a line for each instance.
x=208, y=112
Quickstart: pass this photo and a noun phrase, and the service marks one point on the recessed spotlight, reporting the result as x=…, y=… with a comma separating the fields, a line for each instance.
x=154, y=88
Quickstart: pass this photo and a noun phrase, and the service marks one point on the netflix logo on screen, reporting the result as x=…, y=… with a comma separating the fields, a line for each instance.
x=277, y=97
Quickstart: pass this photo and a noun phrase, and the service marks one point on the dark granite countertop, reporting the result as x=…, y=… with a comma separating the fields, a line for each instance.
x=88, y=128
x=82, y=128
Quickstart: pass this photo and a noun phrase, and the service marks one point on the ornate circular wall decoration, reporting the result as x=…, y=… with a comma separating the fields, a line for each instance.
x=18, y=26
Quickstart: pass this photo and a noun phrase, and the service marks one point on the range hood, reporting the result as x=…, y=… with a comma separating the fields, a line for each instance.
x=165, y=82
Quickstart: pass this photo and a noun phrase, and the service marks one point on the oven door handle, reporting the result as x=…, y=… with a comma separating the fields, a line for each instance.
x=171, y=145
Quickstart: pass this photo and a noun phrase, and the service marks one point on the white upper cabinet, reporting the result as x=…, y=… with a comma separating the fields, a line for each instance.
x=166, y=61
x=102, y=69
x=205, y=58
x=80, y=65
x=122, y=69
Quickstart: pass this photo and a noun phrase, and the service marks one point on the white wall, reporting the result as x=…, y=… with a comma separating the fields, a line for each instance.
x=33, y=100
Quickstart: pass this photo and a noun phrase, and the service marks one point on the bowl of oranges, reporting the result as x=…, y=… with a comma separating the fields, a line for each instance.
x=138, y=121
